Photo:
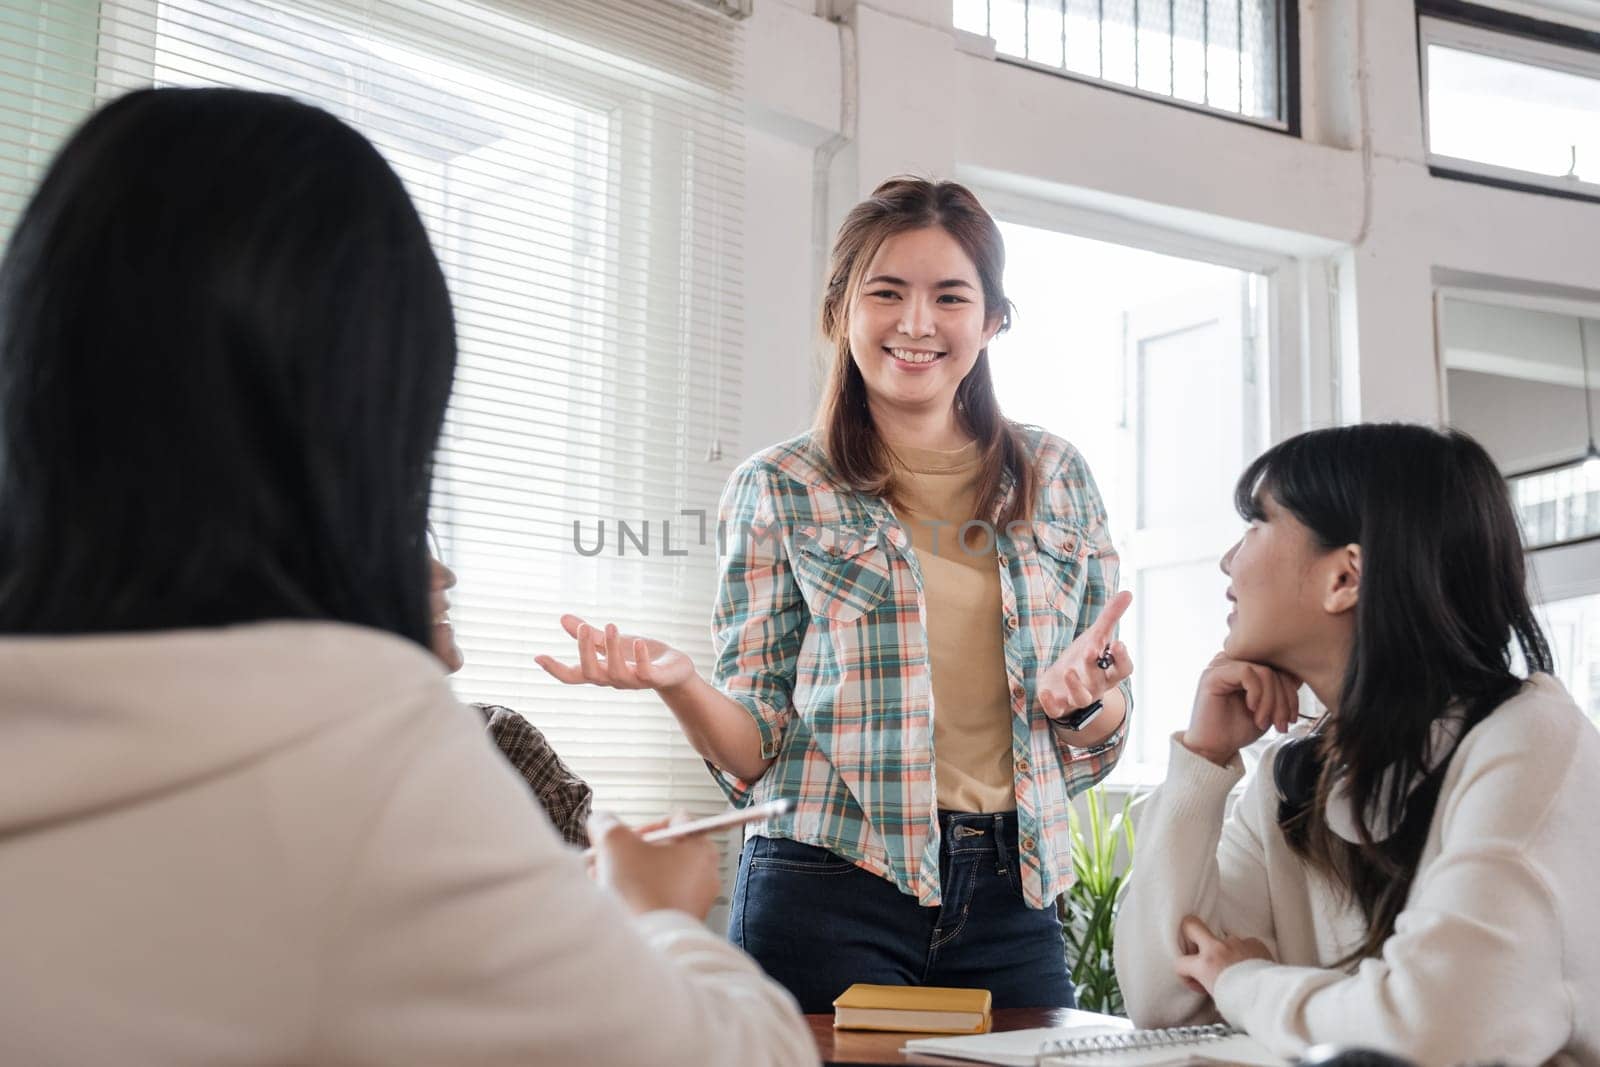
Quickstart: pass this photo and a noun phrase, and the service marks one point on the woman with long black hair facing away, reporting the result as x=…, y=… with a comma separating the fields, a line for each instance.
x=914, y=635
x=1416, y=871
x=242, y=818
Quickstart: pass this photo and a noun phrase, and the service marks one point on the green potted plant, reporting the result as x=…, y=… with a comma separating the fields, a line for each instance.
x=1089, y=908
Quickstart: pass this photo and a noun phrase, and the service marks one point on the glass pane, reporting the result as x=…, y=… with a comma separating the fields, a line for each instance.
x=1182, y=625
x=1137, y=357
x=1559, y=505
x=1224, y=45
x=1573, y=627
x=972, y=16
x=1119, y=42
x=1259, y=58
x=1083, y=37
x=1045, y=22
x=1008, y=25
x=1516, y=380
x=1513, y=114
x=1190, y=370
x=1155, y=48
x=1218, y=53
x=1189, y=50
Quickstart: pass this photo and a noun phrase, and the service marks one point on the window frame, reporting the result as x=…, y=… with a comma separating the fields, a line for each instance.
x=1577, y=559
x=1498, y=34
x=1300, y=328
x=1589, y=539
x=1288, y=75
x=1296, y=323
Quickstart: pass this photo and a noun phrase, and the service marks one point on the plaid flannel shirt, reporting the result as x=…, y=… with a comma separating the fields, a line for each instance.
x=819, y=633
x=565, y=797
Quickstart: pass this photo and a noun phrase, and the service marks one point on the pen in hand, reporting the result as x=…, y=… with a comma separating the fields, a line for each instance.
x=735, y=817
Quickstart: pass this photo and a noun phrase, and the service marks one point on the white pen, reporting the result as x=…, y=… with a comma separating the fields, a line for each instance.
x=732, y=817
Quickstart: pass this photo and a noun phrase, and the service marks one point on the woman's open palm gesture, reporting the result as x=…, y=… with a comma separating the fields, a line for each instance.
x=618, y=660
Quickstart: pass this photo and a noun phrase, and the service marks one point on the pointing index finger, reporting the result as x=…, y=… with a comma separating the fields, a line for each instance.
x=1110, y=615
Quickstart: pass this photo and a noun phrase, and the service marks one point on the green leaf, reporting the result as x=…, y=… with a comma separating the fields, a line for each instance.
x=1089, y=907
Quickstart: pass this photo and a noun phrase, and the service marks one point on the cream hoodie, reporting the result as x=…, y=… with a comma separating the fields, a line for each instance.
x=1495, y=956
x=289, y=843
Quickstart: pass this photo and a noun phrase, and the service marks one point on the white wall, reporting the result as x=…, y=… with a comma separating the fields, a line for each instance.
x=1354, y=192
x=794, y=88
x=1523, y=424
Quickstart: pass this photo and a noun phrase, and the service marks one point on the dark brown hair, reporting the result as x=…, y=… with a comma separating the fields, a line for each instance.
x=844, y=426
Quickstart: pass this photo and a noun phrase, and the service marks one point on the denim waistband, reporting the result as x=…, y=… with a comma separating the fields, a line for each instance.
x=966, y=831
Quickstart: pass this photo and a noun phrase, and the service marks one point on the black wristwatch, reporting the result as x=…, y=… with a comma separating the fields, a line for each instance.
x=1077, y=720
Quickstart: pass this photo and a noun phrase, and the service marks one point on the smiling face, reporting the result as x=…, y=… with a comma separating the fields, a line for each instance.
x=917, y=322
x=441, y=579
x=1293, y=600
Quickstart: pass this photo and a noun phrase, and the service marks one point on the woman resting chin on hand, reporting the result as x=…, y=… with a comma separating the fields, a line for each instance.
x=1413, y=873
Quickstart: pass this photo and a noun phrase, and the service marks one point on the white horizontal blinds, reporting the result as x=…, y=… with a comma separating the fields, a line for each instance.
x=579, y=166
x=47, y=57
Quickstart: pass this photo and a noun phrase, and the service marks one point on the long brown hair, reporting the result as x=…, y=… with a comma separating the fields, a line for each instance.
x=844, y=426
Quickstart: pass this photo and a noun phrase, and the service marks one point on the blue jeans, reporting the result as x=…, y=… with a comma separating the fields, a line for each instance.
x=818, y=923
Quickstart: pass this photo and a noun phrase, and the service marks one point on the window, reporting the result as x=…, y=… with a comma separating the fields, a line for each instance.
x=1513, y=108
x=1154, y=366
x=1558, y=506
x=1573, y=628
x=579, y=171
x=47, y=61
x=1515, y=376
x=1236, y=57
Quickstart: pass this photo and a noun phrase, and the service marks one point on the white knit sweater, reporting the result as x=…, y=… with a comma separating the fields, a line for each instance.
x=1495, y=957
x=289, y=843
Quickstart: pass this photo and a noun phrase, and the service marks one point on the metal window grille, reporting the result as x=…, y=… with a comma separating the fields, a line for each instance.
x=1230, y=56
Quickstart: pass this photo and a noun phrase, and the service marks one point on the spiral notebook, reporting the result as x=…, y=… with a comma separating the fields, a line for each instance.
x=1104, y=1046
x=1149, y=1048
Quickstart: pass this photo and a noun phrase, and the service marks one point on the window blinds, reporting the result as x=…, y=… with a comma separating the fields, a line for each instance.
x=579, y=166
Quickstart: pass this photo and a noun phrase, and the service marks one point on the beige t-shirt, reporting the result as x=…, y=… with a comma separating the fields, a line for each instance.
x=966, y=649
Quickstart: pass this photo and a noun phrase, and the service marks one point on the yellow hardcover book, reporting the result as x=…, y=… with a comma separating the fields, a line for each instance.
x=912, y=1009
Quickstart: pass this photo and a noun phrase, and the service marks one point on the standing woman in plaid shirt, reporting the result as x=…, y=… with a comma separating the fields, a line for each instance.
x=916, y=605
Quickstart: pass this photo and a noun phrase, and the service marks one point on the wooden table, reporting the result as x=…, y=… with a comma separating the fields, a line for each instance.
x=847, y=1047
